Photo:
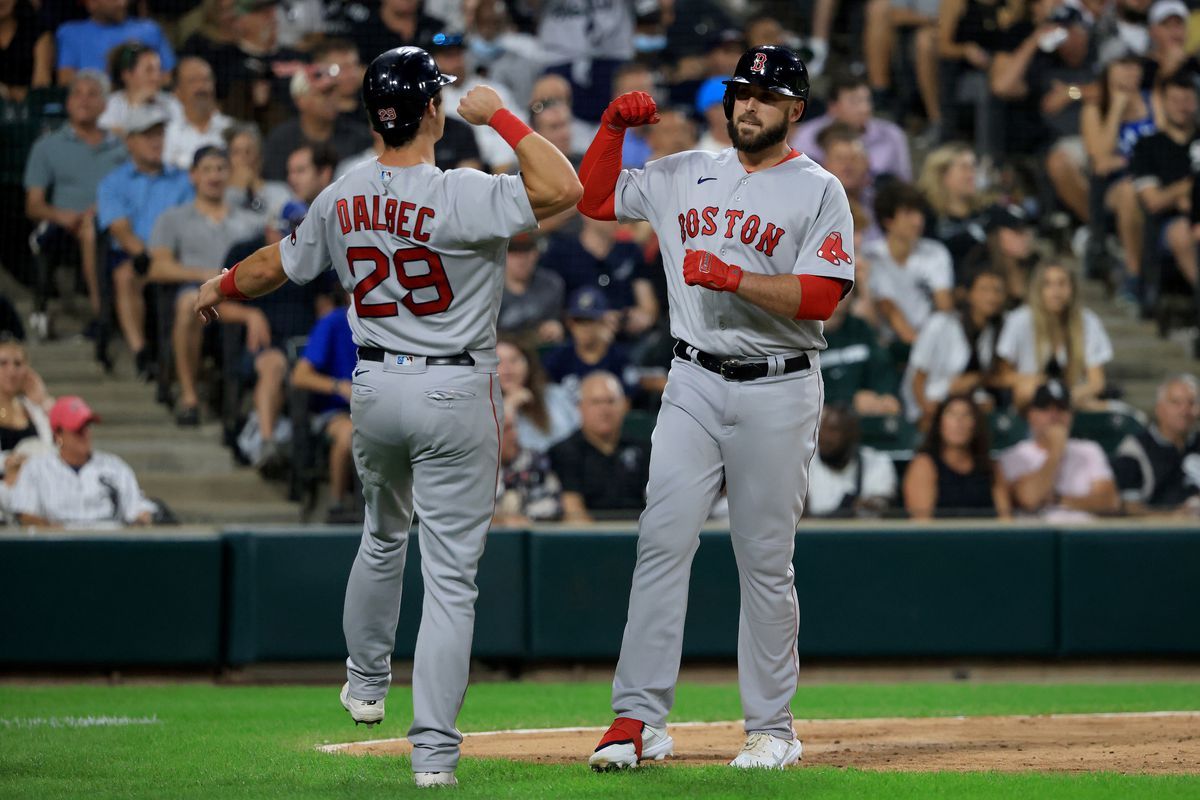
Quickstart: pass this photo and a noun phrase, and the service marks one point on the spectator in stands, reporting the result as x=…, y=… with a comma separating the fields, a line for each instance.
x=885, y=144
x=587, y=45
x=326, y=369
x=600, y=470
x=954, y=474
x=449, y=51
x=1162, y=172
x=710, y=106
x=967, y=33
x=86, y=44
x=673, y=133
x=502, y=54
x=1111, y=126
x=188, y=247
x=948, y=183
x=248, y=190
x=211, y=21
x=545, y=413
x=846, y=159
x=392, y=23
x=63, y=172
x=884, y=18
x=317, y=123
x=1054, y=336
x=337, y=60
x=764, y=29
x=77, y=486
x=22, y=420
x=616, y=269
x=633, y=77
x=552, y=88
x=552, y=120
x=1159, y=468
x=1052, y=475
x=27, y=54
x=129, y=202
x=137, y=77
x=201, y=122
x=252, y=70
x=847, y=479
x=528, y=490
x=1008, y=250
x=954, y=353
x=858, y=373
x=1168, y=52
x=911, y=276
x=532, y=306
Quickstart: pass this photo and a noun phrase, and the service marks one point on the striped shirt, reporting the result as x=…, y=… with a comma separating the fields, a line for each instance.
x=102, y=493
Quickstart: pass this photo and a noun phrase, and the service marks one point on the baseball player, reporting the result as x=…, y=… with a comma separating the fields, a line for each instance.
x=422, y=252
x=757, y=246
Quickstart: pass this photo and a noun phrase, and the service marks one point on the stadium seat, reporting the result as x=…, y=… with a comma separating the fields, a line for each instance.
x=893, y=435
x=1106, y=428
x=639, y=425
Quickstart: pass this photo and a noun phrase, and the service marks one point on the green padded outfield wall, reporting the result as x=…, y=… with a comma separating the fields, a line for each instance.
x=285, y=590
x=102, y=601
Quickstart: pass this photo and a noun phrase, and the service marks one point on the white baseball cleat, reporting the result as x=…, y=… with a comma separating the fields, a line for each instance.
x=764, y=751
x=368, y=712
x=426, y=780
x=629, y=741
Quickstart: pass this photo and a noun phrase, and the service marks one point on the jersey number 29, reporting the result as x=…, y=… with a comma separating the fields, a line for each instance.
x=435, y=277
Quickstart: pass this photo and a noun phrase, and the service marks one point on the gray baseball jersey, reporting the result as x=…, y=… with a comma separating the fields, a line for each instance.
x=422, y=252
x=756, y=437
x=791, y=218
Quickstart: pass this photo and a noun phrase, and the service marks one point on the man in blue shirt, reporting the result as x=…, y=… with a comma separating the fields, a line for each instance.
x=64, y=169
x=591, y=345
x=85, y=44
x=129, y=201
x=326, y=370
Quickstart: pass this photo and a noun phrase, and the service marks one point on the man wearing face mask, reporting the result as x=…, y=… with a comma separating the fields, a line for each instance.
x=847, y=479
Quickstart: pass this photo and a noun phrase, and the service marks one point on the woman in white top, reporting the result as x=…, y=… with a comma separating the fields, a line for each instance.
x=137, y=75
x=544, y=412
x=953, y=354
x=1053, y=336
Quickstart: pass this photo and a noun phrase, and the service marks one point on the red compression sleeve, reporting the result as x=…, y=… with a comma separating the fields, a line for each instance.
x=819, y=296
x=599, y=172
x=229, y=289
x=509, y=126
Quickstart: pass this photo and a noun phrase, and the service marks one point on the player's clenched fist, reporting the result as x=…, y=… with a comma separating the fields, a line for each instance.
x=630, y=110
x=479, y=104
x=702, y=268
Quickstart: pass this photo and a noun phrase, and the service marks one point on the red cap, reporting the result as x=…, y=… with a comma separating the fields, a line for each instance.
x=70, y=413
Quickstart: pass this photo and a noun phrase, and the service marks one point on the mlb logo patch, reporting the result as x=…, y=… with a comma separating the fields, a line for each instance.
x=404, y=361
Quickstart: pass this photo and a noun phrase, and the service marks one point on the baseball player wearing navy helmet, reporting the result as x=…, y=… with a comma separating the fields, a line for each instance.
x=422, y=253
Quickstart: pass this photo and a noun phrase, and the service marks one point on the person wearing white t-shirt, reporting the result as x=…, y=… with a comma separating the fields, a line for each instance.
x=1053, y=336
x=201, y=123
x=1054, y=476
x=911, y=276
x=954, y=352
x=77, y=486
x=846, y=479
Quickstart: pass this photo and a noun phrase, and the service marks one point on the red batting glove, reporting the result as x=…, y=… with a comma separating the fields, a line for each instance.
x=702, y=268
x=630, y=110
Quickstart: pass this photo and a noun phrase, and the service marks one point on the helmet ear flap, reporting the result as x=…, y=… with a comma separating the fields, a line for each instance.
x=727, y=102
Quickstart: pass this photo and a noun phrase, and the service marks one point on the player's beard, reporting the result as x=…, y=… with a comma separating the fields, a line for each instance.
x=765, y=139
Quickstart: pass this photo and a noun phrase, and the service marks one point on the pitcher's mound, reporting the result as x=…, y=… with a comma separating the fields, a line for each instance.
x=1150, y=743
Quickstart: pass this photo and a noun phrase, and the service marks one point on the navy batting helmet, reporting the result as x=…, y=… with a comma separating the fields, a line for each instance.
x=398, y=85
x=775, y=68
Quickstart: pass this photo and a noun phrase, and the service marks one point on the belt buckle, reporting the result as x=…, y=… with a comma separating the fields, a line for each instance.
x=728, y=366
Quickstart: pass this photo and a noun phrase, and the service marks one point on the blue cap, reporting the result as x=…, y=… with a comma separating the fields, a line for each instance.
x=710, y=93
x=587, y=302
x=291, y=215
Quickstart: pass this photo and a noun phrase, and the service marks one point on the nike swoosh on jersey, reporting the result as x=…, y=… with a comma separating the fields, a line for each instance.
x=702, y=180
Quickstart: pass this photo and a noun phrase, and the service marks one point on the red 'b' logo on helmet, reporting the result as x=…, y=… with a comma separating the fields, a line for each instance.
x=760, y=63
x=387, y=115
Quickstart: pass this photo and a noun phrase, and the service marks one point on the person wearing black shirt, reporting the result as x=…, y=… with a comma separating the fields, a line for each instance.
x=601, y=471
x=1159, y=468
x=389, y=24
x=1162, y=168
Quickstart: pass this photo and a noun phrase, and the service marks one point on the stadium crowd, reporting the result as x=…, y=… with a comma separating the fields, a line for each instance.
x=996, y=154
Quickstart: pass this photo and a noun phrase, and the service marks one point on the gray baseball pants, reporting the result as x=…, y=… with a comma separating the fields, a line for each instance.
x=760, y=436
x=426, y=438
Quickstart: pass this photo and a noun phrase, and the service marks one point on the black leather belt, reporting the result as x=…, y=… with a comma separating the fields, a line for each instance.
x=738, y=369
x=459, y=360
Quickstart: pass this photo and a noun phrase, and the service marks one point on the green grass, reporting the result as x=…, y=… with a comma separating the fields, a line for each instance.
x=217, y=742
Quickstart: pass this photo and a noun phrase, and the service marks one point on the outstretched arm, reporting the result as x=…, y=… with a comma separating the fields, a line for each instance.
x=261, y=273
x=602, y=163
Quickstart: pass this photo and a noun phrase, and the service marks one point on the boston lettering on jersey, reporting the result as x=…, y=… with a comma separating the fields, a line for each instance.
x=397, y=217
x=749, y=229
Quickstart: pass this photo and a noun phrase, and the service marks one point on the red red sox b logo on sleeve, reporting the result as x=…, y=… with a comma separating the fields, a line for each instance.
x=832, y=251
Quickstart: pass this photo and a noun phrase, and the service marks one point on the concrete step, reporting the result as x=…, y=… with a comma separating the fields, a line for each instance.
x=155, y=456
x=218, y=488
x=207, y=511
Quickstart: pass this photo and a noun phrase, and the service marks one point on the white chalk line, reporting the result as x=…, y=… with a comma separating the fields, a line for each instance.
x=339, y=747
x=76, y=722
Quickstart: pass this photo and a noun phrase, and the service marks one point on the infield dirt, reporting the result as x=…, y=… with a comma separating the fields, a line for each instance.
x=1132, y=743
